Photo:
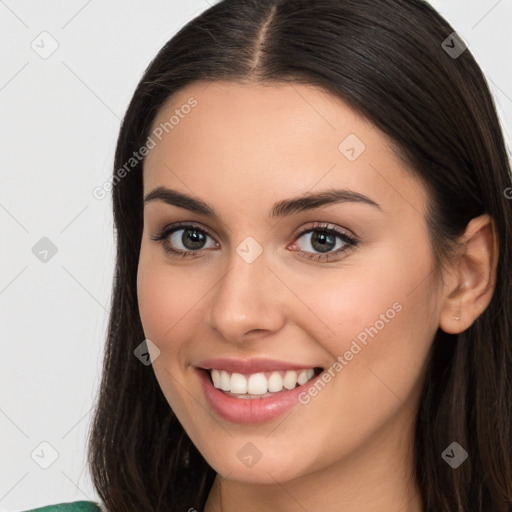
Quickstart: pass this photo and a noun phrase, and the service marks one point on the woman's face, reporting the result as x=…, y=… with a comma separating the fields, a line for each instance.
x=260, y=295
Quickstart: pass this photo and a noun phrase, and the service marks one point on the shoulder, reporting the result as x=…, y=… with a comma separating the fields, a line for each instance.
x=75, y=506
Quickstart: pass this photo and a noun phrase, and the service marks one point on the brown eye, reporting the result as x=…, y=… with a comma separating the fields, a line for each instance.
x=184, y=240
x=324, y=241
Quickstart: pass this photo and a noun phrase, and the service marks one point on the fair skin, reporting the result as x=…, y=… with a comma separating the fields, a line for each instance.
x=240, y=150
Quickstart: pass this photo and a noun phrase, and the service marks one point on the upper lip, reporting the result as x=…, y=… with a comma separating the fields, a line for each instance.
x=249, y=366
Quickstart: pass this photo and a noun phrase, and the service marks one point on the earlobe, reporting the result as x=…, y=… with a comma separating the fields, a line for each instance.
x=473, y=276
x=451, y=318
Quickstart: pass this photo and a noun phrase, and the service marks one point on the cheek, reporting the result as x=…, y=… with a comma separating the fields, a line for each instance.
x=375, y=316
x=166, y=299
x=339, y=305
x=377, y=320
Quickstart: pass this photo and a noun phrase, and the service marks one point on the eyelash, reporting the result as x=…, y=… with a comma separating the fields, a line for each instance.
x=349, y=241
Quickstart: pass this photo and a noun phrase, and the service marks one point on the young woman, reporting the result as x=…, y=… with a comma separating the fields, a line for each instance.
x=311, y=201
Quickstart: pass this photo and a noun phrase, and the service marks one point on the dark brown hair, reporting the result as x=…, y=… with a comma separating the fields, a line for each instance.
x=385, y=59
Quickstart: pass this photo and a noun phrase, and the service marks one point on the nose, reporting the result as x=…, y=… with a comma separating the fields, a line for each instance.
x=246, y=303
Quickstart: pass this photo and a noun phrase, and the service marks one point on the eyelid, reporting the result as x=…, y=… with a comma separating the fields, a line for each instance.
x=316, y=225
x=327, y=226
x=175, y=226
x=349, y=239
x=350, y=242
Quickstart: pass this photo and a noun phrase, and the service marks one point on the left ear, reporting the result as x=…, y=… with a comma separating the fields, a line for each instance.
x=472, y=277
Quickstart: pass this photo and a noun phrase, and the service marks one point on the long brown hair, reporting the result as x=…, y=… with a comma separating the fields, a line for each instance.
x=386, y=59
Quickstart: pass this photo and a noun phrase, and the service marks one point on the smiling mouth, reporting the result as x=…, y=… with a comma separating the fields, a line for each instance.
x=261, y=384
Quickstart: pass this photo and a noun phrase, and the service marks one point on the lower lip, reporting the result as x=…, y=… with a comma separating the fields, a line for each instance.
x=251, y=410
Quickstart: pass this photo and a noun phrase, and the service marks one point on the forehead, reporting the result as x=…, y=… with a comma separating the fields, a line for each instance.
x=261, y=140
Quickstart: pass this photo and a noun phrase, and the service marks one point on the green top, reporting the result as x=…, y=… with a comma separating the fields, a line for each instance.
x=75, y=506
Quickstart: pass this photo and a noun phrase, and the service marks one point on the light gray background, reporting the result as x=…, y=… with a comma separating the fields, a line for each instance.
x=59, y=120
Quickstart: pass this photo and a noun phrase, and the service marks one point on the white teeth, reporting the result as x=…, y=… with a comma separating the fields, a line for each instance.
x=225, y=380
x=238, y=383
x=302, y=378
x=290, y=380
x=275, y=382
x=216, y=378
x=259, y=383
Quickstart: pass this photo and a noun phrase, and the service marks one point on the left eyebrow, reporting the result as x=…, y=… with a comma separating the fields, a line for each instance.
x=308, y=201
x=311, y=201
